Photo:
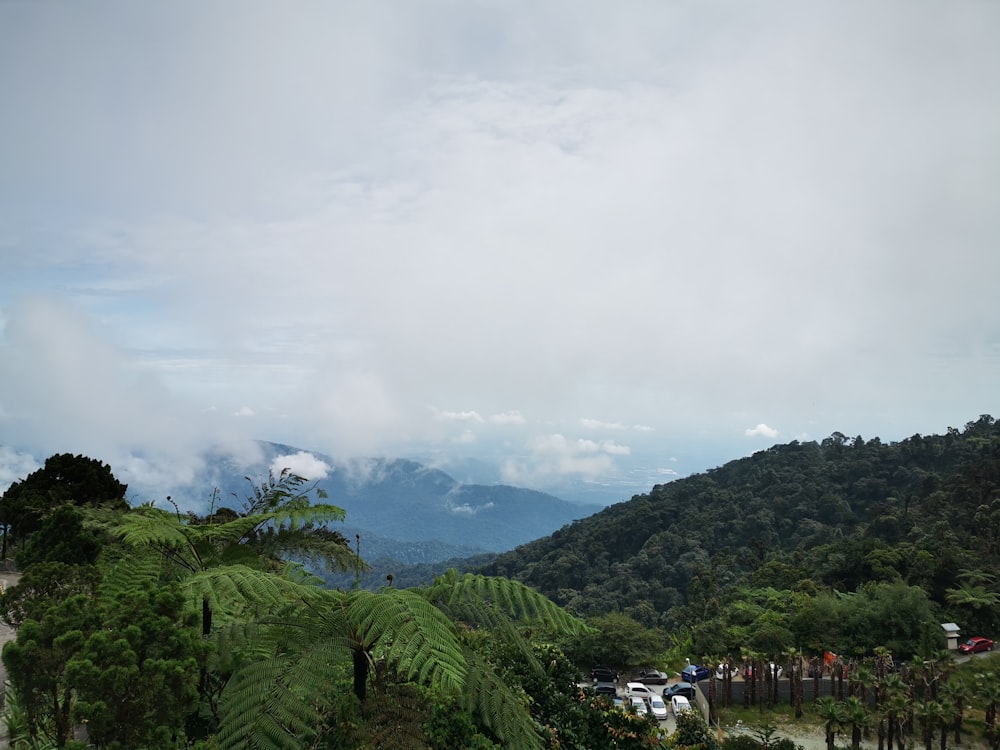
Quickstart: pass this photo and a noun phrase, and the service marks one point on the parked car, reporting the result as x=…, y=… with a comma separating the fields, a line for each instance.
x=652, y=676
x=657, y=707
x=975, y=645
x=679, y=704
x=722, y=669
x=603, y=674
x=776, y=671
x=637, y=689
x=695, y=673
x=606, y=688
x=686, y=689
x=618, y=702
x=638, y=705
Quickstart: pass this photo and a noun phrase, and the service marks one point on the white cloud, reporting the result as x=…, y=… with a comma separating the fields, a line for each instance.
x=467, y=437
x=597, y=424
x=14, y=467
x=303, y=464
x=761, y=430
x=629, y=210
x=553, y=456
x=508, y=417
x=615, y=449
x=458, y=416
x=244, y=411
x=468, y=510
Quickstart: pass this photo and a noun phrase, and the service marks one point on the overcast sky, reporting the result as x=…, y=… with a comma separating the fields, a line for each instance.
x=604, y=242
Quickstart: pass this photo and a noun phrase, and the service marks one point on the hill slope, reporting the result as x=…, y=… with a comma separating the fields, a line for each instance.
x=835, y=514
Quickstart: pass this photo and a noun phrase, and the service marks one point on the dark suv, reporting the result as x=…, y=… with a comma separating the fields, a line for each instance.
x=603, y=674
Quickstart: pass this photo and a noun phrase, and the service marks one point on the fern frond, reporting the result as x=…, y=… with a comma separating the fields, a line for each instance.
x=236, y=588
x=263, y=707
x=401, y=626
x=395, y=716
x=499, y=706
x=277, y=697
x=123, y=572
x=294, y=515
x=463, y=596
x=147, y=525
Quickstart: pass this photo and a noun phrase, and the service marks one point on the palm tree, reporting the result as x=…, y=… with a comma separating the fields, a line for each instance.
x=862, y=680
x=795, y=675
x=388, y=640
x=895, y=708
x=930, y=714
x=855, y=714
x=989, y=692
x=831, y=713
x=953, y=694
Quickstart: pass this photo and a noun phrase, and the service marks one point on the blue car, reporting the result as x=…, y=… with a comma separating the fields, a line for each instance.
x=694, y=673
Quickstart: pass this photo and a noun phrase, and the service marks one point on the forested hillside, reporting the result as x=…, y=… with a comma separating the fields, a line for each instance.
x=787, y=531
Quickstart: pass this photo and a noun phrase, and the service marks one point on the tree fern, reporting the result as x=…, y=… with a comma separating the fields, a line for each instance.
x=404, y=628
x=411, y=634
x=499, y=706
x=464, y=597
x=267, y=705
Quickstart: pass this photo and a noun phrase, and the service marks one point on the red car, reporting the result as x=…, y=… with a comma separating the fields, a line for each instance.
x=975, y=645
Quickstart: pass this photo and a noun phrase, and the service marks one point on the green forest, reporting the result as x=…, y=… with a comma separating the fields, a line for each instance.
x=842, y=545
x=144, y=627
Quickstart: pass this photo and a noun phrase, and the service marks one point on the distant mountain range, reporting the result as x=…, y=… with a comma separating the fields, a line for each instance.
x=397, y=508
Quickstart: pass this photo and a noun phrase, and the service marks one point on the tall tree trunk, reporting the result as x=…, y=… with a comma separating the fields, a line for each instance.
x=61, y=715
x=797, y=691
x=206, y=618
x=360, y=657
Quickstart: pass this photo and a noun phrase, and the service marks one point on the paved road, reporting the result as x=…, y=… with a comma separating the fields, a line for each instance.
x=6, y=634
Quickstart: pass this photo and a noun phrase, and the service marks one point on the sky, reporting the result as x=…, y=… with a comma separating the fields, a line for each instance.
x=590, y=246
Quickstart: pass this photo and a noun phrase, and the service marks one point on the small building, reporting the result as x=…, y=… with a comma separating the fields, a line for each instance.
x=951, y=631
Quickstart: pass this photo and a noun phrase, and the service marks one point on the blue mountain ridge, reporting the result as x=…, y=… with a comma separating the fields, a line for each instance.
x=400, y=508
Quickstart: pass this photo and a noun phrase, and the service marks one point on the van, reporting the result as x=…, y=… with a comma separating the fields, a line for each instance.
x=637, y=688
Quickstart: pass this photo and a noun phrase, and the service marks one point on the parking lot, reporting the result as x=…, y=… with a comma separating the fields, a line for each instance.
x=669, y=724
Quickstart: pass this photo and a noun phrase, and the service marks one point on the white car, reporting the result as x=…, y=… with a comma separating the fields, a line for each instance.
x=637, y=688
x=679, y=704
x=657, y=707
x=720, y=671
x=775, y=670
x=638, y=705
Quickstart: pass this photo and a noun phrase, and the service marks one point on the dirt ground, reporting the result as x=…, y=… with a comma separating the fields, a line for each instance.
x=814, y=739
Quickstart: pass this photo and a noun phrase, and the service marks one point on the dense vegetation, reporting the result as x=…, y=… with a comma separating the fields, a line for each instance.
x=841, y=545
x=155, y=628
x=150, y=629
